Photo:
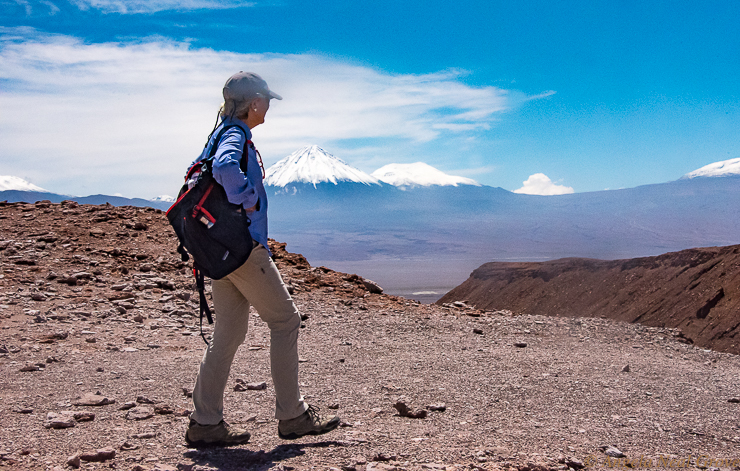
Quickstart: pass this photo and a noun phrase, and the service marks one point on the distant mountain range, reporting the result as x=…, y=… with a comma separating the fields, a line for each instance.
x=426, y=234
x=314, y=165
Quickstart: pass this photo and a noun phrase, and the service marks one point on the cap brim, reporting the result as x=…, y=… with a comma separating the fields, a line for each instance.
x=274, y=95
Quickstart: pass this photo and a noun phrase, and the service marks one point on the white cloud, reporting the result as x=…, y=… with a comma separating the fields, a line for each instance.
x=129, y=117
x=152, y=6
x=53, y=9
x=540, y=184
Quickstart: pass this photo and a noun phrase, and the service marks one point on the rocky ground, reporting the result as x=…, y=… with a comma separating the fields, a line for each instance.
x=99, y=348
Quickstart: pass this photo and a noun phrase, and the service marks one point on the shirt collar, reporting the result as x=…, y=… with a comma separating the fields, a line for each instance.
x=238, y=122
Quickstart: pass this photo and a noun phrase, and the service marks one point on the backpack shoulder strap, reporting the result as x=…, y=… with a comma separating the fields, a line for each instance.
x=220, y=134
x=247, y=142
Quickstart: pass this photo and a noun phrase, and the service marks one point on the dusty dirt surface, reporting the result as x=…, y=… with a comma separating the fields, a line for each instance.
x=95, y=309
x=695, y=290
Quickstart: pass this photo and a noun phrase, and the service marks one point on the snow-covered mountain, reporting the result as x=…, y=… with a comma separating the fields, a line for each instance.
x=8, y=182
x=717, y=169
x=164, y=199
x=312, y=164
x=418, y=174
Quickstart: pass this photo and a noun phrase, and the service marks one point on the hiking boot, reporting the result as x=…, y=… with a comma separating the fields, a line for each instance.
x=220, y=434
x=308, y=423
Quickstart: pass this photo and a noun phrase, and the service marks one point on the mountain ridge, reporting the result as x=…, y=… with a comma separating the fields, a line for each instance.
x=693, y=290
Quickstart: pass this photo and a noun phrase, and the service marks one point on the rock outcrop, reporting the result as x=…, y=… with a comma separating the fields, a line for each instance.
x=696, y=291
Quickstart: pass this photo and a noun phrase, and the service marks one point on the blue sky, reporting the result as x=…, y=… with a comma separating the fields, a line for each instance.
x=117, y=96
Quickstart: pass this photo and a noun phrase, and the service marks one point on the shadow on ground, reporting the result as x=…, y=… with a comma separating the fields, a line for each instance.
x=241, y=458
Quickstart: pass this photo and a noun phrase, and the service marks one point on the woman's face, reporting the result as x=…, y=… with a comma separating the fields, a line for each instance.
x=257, y=111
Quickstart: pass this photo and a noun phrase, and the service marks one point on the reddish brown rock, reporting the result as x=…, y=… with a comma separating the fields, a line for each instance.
x=92, y=399
x=100, y=455
x=695, y=290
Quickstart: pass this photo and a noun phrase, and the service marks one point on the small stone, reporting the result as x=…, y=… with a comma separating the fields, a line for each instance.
x=187, y=392
x=61, y=420
x=626, y=369
x=74, y=461
x=29, y=368
x=478, y=331
x=91, y=399
x=612, y=451
x=139, y=318
x=382, y=457
x=126, y=446
x=439, y=407
x=256, y=386
x=38, y=297
x=68, y=280
x=520, y=344
x=100, y=455
x=144, y=436
x=404, y=411
x=144, y=400
x=575, y=464
x=127, y=405
x=90, y=339
x=372, y=286
x=140, y=413
x=163, y=409
x=49, y=338
x=84, y=416
x=734, y=400
x=334, y=406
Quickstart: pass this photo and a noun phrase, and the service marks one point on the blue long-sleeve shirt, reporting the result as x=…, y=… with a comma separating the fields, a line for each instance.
x=246, y=190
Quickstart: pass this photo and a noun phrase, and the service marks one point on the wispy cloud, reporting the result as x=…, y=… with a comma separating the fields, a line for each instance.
x=33, y=7
x=129, y=116
x=152, y=6
x=540, y=184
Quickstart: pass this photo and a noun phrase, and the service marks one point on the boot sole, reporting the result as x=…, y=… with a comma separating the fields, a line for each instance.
x=294, y=436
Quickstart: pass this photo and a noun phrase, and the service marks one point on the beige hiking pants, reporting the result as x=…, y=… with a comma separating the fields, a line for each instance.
x=257, y=282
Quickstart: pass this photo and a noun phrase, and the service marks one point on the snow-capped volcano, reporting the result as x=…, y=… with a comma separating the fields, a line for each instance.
x=8, y=182
x=418, y=174
x=717, y=169
x=164, y=199
x=312, y=164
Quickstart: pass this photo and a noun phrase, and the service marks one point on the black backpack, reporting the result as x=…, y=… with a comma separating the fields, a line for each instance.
x=212, y=230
